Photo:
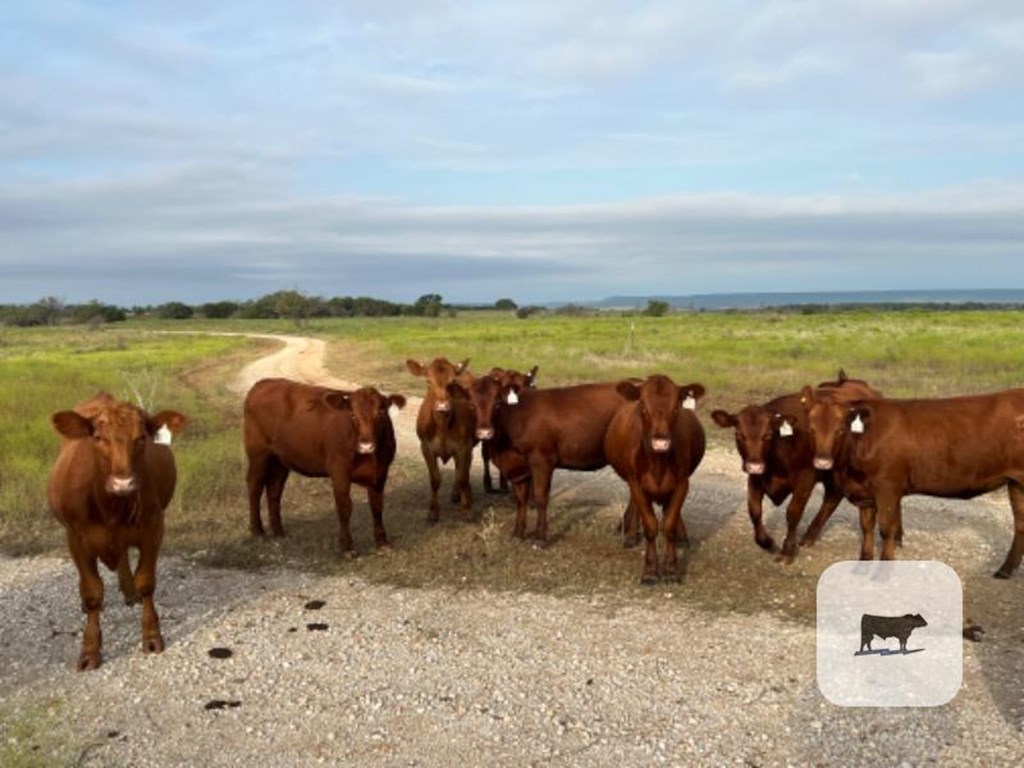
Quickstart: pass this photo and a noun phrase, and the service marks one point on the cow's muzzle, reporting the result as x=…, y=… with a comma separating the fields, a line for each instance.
x=121, y=486
x=822, y=462
x=484, y=434
x=660, y=444
x=753, y=467
x=365, y=447
x=442, y=406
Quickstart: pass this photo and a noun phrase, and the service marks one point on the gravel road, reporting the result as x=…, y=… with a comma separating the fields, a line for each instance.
x=313, y=670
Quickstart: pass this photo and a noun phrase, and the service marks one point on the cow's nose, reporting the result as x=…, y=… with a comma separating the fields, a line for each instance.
x=822, y=462
x=121, y=486
x=660, y=444
x=442, y=406
x=367, y=447
x=753, y=467
x=484, y=434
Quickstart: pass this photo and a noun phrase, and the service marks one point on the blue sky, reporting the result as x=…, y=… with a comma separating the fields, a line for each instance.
x=542, y=151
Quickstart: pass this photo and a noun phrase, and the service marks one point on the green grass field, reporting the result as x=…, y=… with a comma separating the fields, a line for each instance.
x=739, y=357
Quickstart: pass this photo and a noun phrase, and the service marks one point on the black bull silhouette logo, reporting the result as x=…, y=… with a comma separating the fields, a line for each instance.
x=884, y=627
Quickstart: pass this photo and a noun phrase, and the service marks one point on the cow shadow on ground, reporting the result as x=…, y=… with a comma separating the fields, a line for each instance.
x=889, y=652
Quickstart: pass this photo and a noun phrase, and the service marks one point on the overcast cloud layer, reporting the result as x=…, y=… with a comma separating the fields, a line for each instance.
x=541, y=151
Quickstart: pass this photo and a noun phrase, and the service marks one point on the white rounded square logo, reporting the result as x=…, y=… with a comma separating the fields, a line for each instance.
x=889, y=633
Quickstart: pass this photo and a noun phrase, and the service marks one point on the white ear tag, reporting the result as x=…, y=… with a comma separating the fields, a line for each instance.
x=786, y=429
x=512, y=398
x=163, y=436
x=857, y=425
x=689, y=403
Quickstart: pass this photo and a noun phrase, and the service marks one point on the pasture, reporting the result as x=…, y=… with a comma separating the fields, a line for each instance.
x=739, y=357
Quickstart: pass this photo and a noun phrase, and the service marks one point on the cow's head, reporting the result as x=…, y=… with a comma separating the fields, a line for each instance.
x=485, y=395
x=513, y=382
x=659, y=401
x=830, y=419
x=916, y=619
x=368, y=409
x=756, y=429
x=119, y=432
x=440, y=374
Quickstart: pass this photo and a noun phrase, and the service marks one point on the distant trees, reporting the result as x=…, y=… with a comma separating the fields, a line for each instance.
x=656, y=308
x=174, y=310
x=218, y=310
x=505, y=304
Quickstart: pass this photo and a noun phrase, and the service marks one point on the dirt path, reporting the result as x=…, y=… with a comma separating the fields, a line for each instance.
x=380, y=675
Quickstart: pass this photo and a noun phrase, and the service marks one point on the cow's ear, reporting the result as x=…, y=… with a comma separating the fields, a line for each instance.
x=857, y=419
x=690, y=394
x=723, y=419
x=173, y=420
x=462, y=366
x=628, y=390
x=532, y=376
x=807, y=397
x=338, y=400
x=396, y=400
x=71, y=424
x=414, y=367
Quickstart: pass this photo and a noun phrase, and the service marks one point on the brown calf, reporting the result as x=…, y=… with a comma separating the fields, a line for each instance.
x=445, y=426
x=318, y=432
x=109, y=488
x=958, y=447
x=654, y=443
x=774, y=443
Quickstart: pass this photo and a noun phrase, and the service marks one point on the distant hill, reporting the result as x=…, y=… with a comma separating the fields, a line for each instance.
x=762, y=300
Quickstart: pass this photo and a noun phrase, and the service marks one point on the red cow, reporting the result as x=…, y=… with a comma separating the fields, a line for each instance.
x=774, y=442
x=506, y=377
x=655, y=443
x=109, y=487
x=445, y=426
x=554, y=427
x=957, y=447
x=318, y=432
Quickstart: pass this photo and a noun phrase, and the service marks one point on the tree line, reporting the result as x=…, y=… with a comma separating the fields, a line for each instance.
x=292, y=305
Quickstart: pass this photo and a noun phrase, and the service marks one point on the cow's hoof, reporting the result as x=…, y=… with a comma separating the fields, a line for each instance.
x=767, y=544
x=132, y=599
x=349, y=554
x=384, y=549
x=631, y=542
x=433, y=519
x=153, y=644
x=87, y=661
x=1000, y=574
x=671, y=577
x=649, y=580
x=257, y=533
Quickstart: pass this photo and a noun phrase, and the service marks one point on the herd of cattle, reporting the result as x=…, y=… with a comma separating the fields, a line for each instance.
x=115, y=473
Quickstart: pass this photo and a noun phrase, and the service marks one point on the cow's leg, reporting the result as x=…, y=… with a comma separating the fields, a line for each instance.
x=256, y=480
x=649, y=520
x=802, y=489
x=521, y=491
x=341, y=482
x=125, y=580
x=375, y=495
x=833, y=496
x=888, y=506
x=673, y=526
x=434, y=513
x=463, y=462
x=540, y=473
x=755, y=503
x=1013, y=557
x=867, y=530
x=277, y=476
x=145, y=585
x=485, y=455
x=90, y=588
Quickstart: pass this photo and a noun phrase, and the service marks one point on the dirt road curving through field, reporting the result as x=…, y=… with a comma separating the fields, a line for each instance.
x=336, y=670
